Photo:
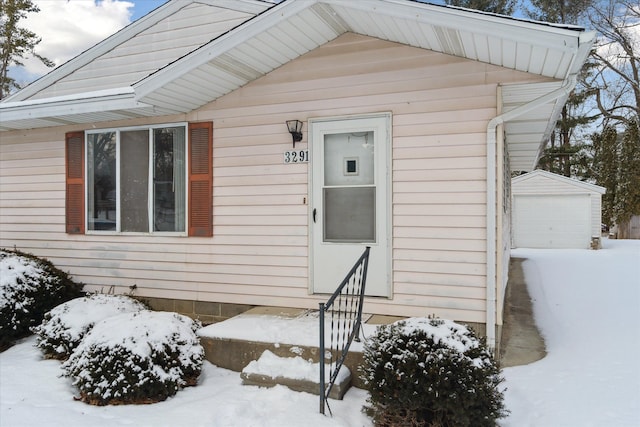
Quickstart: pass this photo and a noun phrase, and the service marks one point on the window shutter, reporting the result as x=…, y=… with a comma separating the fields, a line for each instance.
x=201, y=179
x=74, y=202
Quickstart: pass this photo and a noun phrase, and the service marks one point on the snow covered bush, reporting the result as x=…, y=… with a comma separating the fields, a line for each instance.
x=29, y=287
x=64, y=326
x=140, y=357
x=431, y=372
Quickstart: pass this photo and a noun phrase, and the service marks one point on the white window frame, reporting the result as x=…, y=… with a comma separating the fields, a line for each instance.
x=150, y=200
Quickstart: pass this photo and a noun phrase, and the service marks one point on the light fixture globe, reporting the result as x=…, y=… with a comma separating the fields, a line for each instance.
x=295, y=129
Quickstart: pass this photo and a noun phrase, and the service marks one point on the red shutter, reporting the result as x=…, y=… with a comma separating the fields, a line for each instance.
x=74, y=163
x=201, y=179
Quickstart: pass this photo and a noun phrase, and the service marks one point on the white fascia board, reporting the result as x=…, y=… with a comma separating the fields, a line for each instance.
x=99, y=49
x=76, y=96
x=220, y=45
x=248, y=6
x=89, y=102
x=586, y=41
x=531, y=32
x=428, y=12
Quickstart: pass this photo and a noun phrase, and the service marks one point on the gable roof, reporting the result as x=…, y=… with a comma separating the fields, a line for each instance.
x=546, y=175
x=277, y=34
x=158, y=38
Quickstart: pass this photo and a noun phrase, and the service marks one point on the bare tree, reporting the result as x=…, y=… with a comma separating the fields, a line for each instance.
x=616, y=84
x=559, y=11
x=503, y=7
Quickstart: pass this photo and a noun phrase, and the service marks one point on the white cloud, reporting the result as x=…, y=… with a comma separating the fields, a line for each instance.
x=69, y=27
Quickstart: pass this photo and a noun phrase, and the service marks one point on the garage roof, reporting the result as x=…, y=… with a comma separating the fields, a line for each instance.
x=535, y=176
x=285, y=31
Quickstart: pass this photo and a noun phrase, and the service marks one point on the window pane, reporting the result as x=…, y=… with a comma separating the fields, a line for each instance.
x=169, y=179
x=134, y=180
x=348, y=159
x=349, y=214
x=101, y=181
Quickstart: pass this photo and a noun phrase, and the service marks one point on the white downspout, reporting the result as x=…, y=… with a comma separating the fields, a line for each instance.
x=565, y=89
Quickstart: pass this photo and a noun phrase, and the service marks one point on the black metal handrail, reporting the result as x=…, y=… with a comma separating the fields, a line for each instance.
x=344, y=308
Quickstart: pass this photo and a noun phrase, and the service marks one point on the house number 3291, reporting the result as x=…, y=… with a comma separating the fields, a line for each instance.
x=296, y=156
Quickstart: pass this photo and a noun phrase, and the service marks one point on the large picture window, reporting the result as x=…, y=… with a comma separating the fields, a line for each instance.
x=136, y=180
x=151, y=179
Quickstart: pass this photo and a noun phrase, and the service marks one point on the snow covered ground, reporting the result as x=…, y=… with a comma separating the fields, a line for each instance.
x=32, y=393
x=587, y=304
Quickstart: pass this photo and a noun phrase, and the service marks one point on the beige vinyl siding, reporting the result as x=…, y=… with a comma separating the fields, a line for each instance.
x=32, y=186
x=259, y=251
x=150, y=50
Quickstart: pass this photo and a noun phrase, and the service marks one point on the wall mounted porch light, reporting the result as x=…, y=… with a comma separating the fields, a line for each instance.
x=295, y=129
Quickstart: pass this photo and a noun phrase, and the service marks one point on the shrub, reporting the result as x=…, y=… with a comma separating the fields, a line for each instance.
x=29, y=287
x=64, y=326
x=140, y=357
x=431, y=372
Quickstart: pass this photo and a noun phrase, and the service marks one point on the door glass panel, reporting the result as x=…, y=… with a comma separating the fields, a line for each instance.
x=349, y=193
x=134, y=181
x=350, y=214
x=348, y=159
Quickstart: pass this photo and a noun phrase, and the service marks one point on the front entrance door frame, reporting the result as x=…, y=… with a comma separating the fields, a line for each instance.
x=379, y=281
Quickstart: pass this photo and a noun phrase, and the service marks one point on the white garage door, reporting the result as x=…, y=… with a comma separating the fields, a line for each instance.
x=550, y=221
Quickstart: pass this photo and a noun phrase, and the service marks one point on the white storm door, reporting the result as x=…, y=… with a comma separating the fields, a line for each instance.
x=350, y=201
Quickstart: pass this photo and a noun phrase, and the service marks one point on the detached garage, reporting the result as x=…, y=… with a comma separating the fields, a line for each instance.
x=553, y=211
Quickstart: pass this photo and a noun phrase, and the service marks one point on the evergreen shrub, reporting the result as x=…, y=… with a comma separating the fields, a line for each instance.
x=133, y=358
x=29, y=287
x=431, y=372
x=65, y=325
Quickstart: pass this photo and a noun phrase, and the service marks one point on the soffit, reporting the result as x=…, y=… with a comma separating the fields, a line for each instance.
x=526, y=135
x=294, y=27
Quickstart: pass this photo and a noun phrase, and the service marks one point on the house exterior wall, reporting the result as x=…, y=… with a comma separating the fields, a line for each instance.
x=259, y=252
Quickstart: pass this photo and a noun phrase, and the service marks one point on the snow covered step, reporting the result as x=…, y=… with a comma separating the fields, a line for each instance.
x=234, y=343
x=293, y=372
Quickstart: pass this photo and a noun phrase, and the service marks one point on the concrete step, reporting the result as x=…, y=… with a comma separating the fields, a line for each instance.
x=236, y=342
x=293, y=372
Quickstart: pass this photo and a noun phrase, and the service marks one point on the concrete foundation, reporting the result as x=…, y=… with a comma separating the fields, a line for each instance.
x=206, y=312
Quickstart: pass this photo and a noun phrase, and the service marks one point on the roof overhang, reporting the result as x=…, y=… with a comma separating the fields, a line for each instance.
x=294, y=27
x=84, y=108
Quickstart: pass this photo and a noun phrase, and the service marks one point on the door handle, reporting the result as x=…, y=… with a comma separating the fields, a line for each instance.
x=314, y=215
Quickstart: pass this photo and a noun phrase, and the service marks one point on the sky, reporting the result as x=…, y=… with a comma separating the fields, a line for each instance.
x=69, y=27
